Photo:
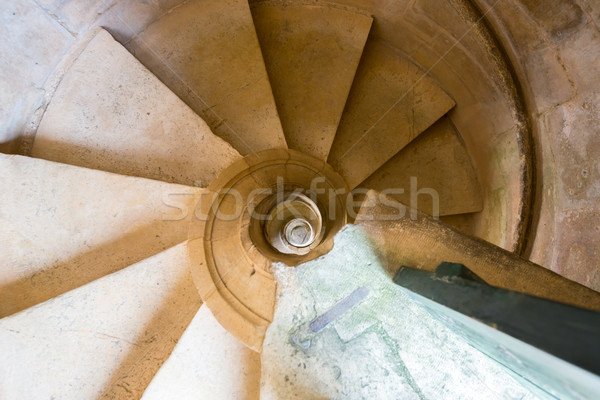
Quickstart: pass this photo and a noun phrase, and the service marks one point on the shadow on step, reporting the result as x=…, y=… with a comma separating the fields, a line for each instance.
x=155, y=154
x=154, y=346
x=86, y=267
x=11, y=146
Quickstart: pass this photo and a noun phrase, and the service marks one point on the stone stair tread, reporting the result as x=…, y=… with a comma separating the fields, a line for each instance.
x=63, y=226
x=110, y=113
x=207, y=52
x=391, y=102
x=75, y=345
x=208, y=363
x=311, y=54
x=438, y=160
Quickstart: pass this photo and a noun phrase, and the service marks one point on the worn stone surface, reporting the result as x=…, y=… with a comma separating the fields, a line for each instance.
x=384, y=347
x=557, y=73
x=122, y=18
x=570, y=192
x=548, y=78
x=63, y=226
x=75, y=15
x=207, y=363
x=125, y=19
x=76, y=345
x=311, y=53
x=567, y=147
x=405, y=237
x=499, y=224
x=576, y=250
x=438, y=160
x=559, y=19
x=207, y=52
x=27, y=58
x=391, y=102
x=126, y=121
x=581, y=58
x=130, y=382
x=593, y=8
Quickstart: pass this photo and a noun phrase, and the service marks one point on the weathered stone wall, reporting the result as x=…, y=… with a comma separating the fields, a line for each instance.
x=554, y=47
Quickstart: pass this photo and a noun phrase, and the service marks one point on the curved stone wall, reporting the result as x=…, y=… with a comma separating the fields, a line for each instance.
x=554, y=47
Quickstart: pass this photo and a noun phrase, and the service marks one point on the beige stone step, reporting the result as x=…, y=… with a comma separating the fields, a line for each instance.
x=311, y=53
x=207, y=52
x=416, y=240
x=77, y=345
x=110, y=113
x=207, y=363
x=391, y=102
x=440, y=168
x=63, y=226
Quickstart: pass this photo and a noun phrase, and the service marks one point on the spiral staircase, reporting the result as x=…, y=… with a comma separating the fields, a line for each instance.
x=125, y=253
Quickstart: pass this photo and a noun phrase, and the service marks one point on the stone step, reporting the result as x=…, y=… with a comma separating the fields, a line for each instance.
x=311, y=54
x=439, y=166
x=79, y=344
x=391, y=102
x=110, y=113
x=207, y=52
x=207, y=363
x=63, y=226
